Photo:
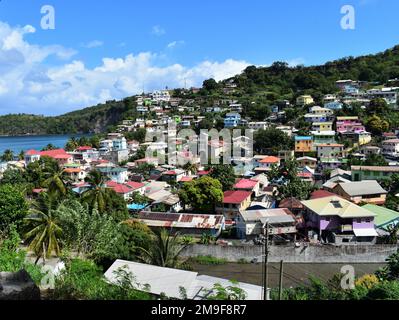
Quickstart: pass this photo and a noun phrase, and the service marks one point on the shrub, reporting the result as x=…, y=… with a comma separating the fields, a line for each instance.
x=209, y=260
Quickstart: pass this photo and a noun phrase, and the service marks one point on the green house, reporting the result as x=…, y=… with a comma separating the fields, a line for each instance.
x=360, y=173
x=385, y=217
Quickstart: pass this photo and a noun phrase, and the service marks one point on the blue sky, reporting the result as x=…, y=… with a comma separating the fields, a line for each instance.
x=106, y=49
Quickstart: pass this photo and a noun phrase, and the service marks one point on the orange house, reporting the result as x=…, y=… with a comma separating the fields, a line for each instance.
x=303, y=144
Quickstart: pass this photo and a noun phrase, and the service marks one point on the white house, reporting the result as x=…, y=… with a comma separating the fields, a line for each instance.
x=391, y=148
x=116, y=174
x=261, y=125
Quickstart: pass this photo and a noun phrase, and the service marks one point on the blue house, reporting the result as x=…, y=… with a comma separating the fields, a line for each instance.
x=334, y=105
x=232, y=120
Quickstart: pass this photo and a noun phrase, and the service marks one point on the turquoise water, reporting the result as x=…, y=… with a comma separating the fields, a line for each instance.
x=17, y=144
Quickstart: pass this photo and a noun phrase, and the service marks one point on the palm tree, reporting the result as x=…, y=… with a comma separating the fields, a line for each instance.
x=44, y=231
x=72, y=144
x=8, y=155
x=55, y=181
x=164, y=251
x=21, y=155
x=98, y=194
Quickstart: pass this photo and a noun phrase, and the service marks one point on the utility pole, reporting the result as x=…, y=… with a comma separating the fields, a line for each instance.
x=265, y=263
x=280, y=289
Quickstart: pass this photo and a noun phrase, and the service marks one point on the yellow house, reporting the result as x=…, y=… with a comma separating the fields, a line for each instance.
x=322, y=126
x=364, y=138
x=304, y=100
x=234, y=202
x=303, y=144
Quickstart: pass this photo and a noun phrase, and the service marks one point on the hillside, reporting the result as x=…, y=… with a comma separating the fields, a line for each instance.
x=264, y=86
x=90, y=120
x=279, y=81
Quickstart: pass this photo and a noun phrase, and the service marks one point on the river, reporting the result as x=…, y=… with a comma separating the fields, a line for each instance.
x=24, y=143
x=295, y=274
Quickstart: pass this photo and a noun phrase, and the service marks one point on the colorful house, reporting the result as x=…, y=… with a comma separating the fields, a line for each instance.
x=322, y=126
x=233, y=203
x=60, y=155
x=333, y=105
x=116, y=174
x=330, y=150
x=304, y=100
x=361, y=192
x=323, y=137
x=126, y=189
x=339, y=221
x=303, y=144
x=282, y=223
x=248, y=185
x=307, y=162
x=385, y=218
x=390, y=148
x=351, y=124
x=269, y=161
x=232, y=120
x=360, y=173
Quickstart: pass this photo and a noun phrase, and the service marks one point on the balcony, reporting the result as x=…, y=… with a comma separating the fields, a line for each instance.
x=346, y=228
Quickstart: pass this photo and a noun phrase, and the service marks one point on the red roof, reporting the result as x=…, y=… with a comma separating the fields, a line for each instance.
x=236, y=197
x=318, y=194
x=270, y=159
x=32, y=152
x=203, y=173
x=56, y=154
x=186, y=179
x=135, y=185
x=305, y=175
x=124, y=188
x=84, y=148
x=170, y=173
x=119, y=188
x=246, y=184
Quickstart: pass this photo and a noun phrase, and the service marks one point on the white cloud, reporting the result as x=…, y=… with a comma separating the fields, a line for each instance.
x=29, y=85
x=174, y=44
x=93, y=44
x=158, y=30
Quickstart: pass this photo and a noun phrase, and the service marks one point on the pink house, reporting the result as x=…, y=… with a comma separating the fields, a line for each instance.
x=349, y=124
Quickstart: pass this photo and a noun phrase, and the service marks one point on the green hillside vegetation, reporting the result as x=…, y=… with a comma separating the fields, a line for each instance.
x=90, y=120
x=257, y=89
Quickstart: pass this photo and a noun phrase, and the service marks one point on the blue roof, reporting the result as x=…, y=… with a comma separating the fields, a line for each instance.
x=303, y=138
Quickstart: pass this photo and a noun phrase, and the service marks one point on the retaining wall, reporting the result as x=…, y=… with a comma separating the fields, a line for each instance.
x=292, y=254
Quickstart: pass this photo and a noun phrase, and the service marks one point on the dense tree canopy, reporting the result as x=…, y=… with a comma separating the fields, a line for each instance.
x=272, y=140
x=202, y=194
x=13, y=206
x=224, y=173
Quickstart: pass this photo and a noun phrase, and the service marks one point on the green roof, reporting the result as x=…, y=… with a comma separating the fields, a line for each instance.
x=384, y=216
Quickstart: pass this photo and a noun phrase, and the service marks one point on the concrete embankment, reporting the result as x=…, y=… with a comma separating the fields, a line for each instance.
x=301, y=254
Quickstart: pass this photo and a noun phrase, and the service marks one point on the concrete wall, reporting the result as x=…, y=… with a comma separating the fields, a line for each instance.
x=303, y=254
